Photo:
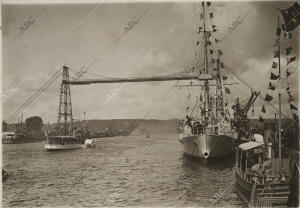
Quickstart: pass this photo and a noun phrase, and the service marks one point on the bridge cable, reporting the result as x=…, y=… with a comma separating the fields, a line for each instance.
x=35, y=95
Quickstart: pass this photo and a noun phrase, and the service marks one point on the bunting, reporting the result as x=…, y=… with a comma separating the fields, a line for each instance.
x=263, y=109
x=201, y=16
x=288, y=36
x=278, y=31
x=276, y=44
x=290, y=60
x=274, y=65
x=291, y=99
x=220, y=53
x=288, y=50
x=271, y=86
x=268, y=97
x=276, y=54
x=292, y=107
x=288, y=73
x=291, y=17
x=227, y=90
x=273, y=76
x=222, y=65
x=295, y=116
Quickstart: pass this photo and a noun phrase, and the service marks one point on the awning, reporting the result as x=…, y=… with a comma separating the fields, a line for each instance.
x=250, y=145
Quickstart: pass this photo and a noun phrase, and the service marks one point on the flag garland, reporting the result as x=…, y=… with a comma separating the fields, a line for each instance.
x=271, y=86
x=273, y=76
x=292, y=107
x=268, y=97
x=261, y=119
x=291, y=17
x=227, y=90
x=274, y=65
x=288, y=50
x=220, y=52
x=290, y=60
x=263, y=109
x=276, y=54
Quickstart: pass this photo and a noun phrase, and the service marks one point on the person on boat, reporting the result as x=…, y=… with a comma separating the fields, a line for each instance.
x=259, y=171
x=188, y=121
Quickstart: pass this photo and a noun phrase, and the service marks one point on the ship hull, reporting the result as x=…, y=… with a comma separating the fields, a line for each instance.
x=208, y=148
x=59, y=147
x=262, y=195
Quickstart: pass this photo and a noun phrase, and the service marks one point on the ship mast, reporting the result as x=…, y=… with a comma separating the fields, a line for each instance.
x=279, y=93
x=206, y=95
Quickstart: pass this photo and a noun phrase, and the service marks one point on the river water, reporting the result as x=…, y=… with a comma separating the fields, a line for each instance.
x=120, y=171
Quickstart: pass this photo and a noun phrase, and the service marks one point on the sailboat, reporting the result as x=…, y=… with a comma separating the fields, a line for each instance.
x=206, y=133
x=265, y=174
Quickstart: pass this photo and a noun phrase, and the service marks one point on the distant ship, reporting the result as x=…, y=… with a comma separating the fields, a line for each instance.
x=8, y=137
x=206, y=133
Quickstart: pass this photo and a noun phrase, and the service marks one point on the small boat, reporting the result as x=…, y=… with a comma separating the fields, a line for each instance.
x=89, y=143
x=4, y=175
x=8, y=137
x=256, y=181
x=56, y=143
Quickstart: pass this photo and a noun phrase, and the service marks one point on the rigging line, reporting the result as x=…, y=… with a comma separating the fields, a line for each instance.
x=24, y=106
x=55, y=76
x=246, y=84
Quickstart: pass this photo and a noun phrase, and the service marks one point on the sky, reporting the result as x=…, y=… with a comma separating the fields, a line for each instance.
x=162, y=42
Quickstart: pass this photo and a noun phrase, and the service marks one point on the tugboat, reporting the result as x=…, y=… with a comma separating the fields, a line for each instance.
x=206, y=133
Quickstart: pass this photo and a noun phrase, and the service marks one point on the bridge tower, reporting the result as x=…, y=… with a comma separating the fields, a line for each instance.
x=65, y=117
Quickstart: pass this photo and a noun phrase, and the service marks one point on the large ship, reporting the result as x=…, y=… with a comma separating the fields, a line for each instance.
x=206, y=132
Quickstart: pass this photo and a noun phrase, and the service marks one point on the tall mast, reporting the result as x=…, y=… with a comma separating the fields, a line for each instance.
x=279, y=93
x=206, y=96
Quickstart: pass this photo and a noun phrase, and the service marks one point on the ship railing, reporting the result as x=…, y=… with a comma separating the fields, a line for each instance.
x=198, y=131
x=250, y=177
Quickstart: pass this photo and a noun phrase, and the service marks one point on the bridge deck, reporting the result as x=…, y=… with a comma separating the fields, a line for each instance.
x=138, y=79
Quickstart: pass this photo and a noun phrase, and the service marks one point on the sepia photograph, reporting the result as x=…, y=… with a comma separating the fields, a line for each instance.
x=150, y=103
